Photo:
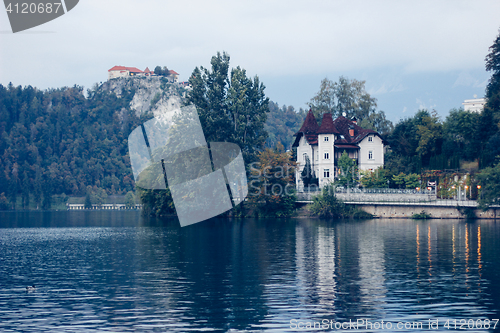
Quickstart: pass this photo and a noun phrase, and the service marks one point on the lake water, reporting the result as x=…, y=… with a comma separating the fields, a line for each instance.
x=103, y=271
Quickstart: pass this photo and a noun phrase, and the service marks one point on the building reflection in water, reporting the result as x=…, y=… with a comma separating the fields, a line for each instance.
x=342, y=264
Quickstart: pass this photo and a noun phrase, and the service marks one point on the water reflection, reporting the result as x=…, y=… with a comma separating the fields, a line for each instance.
x=122, y=272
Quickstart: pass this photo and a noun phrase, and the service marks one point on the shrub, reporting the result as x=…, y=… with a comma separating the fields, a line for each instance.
x=423, y=215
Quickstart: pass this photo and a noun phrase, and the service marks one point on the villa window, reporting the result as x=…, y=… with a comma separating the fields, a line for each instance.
x=326, y=173
x=326, y=138
x=370, y=139
x=370, y=155
x=327, y=156
x=304, y=156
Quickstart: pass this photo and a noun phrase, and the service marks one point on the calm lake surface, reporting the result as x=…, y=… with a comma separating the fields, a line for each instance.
x=103, y=271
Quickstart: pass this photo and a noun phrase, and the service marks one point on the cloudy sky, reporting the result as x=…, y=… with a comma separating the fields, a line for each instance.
x=412, y=54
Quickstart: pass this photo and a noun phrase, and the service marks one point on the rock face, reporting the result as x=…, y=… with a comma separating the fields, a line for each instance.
x=152, y=94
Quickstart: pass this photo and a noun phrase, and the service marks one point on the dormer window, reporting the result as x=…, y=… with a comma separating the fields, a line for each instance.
x=326, y=138
x=370, y=139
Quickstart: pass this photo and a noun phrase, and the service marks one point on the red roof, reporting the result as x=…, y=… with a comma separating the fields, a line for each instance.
x=309, y=129
x=342, y=124
x=310, y=125
x=173, y=72
x=339, y=126
x=147, y=70
x=327, y=126
x=123, y=68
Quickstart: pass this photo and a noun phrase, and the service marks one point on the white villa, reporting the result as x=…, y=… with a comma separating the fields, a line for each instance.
x=325, y=144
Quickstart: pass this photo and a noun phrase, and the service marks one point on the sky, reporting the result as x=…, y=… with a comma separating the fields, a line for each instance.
x=411, y=54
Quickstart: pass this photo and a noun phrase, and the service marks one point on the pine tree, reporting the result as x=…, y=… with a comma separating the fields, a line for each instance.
x=307, y=175
x=231, y=108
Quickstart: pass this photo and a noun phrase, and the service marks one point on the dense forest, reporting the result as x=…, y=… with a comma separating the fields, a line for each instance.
x=59, y=141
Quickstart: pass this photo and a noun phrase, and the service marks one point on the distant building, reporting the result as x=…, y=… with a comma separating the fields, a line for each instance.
x=174, y=76
x=474, y=105
x=123, y=71
x=325, y=144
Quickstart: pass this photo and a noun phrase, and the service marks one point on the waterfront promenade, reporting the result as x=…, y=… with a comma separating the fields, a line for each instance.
x=393, y=203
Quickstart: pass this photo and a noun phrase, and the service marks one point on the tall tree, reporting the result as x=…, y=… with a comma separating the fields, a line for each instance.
x=231, y=107
x=489, y=122
x=347, y=96
x=493, y=65
x=418, y=138
x=460, y=135
x=308, y=175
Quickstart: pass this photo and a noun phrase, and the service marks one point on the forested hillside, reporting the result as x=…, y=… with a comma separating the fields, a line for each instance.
x=61, y=141
x=282, y=123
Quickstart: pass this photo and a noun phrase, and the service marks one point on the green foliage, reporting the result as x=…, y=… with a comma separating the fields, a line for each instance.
x=156, y=202
x=399, y=180
x=308, y=175
x=409, y=181
x=374, y=179
x=460, y=137
x=468, y=212
x=493, y=65
x=97, y=195
x=326, y=205
x=492, y=152
x=347, y=96
x=282, y=123
x=162, y=71
x=423, y=215
x=231, y=108
x=88, y=201
x=378, y=122
x=272, y=184
x=489, y=179
x=130, y=199
x=59, y=141
x=429, y=131
x=412, y=180
x=4, y=203
x=348, y=168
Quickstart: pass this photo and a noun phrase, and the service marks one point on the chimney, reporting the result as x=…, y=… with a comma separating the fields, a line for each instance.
x=351, y=130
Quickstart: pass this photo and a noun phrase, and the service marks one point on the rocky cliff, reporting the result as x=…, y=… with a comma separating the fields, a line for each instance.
x=151, y=94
